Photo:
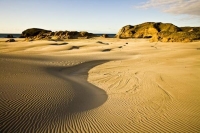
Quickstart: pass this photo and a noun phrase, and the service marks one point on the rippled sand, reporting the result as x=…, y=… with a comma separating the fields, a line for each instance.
x=127, y=85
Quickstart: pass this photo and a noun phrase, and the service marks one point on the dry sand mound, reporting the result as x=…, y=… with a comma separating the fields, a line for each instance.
x=135, y=86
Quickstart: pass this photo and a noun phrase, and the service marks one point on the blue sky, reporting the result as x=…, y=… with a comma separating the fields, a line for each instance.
x=97, y=16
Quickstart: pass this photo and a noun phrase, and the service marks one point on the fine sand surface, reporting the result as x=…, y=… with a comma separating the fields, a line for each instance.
x=99, y=85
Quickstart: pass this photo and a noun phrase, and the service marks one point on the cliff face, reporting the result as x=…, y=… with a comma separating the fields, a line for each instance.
x=41, y=34
x=164, y=32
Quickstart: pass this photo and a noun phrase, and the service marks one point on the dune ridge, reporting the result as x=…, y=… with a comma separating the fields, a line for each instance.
x=135, y=86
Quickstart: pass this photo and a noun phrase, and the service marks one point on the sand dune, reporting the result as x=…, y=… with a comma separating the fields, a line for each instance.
x=127, y=85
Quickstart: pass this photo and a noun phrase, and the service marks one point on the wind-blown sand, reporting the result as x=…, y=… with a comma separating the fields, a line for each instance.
x=127, y=85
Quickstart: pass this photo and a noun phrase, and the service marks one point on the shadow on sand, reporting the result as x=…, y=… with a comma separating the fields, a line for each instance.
x=87, y=96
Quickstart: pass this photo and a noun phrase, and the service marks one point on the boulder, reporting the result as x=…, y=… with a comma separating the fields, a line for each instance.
x=105, y=36
x=11, y=40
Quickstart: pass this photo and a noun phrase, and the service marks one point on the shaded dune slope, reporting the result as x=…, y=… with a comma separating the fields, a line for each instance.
x=45, y=103
x=77, y=75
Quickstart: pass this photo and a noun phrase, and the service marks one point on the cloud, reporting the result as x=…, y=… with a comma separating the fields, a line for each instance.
x=184, y=7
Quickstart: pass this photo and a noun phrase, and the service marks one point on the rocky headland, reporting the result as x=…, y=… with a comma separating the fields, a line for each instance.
x=164, y=32
x=42, y=34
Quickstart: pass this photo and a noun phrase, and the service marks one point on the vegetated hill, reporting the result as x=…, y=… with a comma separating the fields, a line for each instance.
x=164, y=32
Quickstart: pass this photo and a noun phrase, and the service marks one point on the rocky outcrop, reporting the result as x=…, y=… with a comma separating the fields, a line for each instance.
x=105, y=36
x=11, y=40
x=180, y=36
x=33, y=32
x=41, y=34
x=145, y=30
x=164, y=32
x=190, y=29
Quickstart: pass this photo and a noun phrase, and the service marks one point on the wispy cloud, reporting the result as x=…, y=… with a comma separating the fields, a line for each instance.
x=184, y=7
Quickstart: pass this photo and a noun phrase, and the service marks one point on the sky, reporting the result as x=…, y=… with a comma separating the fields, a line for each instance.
x=96, y=16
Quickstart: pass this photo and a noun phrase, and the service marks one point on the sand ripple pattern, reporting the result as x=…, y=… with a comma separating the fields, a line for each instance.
x=120, y=96
x=142, y=100
x=41, y=98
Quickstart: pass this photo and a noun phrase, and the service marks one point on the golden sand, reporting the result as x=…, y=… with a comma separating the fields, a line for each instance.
x=82, y=85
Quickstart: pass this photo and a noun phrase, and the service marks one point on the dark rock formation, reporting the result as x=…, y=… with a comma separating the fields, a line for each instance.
x=104, y=36
x=11, y=40
x=41, y=34
x=33, y=32
x=164, y=32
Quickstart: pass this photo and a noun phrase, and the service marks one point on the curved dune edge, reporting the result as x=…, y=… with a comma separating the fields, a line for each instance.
x=45, y=99
x=155, y=88
x=86, y=95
